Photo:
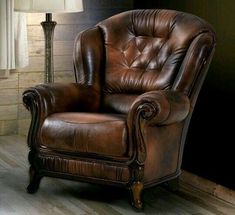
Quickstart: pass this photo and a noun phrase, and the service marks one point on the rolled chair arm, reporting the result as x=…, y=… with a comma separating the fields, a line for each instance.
x=155, y=108
x=162, y=107
x=47, y=99
x=53, y=98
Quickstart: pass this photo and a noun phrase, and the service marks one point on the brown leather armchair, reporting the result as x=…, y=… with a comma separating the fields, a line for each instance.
x=125, y=120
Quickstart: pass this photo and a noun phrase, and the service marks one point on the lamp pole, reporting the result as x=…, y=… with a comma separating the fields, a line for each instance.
x=48, y=28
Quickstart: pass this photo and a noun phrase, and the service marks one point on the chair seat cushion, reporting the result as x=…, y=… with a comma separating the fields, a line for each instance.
x=100, y=134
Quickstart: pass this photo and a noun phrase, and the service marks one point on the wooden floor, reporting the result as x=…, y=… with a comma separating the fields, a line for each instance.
x=58, y=197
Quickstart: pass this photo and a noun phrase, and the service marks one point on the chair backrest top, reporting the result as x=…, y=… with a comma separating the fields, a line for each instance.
x=145, y=48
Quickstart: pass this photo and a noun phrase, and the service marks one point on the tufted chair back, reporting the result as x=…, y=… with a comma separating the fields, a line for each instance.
x=144, y=50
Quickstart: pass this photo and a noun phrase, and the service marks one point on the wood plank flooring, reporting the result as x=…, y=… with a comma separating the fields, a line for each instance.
x=62, y=197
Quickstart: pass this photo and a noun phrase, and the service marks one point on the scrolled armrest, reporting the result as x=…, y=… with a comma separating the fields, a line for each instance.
x=162, y=107
x=155, y=108
x=52, y=98
x=46, y=99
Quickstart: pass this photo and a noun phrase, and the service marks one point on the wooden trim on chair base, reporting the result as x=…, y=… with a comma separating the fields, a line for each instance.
x=207, y=186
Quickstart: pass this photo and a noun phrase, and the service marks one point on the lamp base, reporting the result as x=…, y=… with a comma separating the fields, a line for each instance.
x=48, y=28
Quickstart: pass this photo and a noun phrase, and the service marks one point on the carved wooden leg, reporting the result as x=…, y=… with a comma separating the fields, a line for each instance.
x=35, y=179
x=136, y=195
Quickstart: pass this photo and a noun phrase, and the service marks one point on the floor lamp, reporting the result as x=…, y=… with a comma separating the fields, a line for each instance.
x=48, y=7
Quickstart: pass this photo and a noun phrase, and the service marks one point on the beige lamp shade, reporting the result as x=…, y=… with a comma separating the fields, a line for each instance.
x=48, y=6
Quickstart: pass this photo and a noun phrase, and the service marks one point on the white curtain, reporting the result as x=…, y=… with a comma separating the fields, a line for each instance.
x=13, y=37
x=21, y=40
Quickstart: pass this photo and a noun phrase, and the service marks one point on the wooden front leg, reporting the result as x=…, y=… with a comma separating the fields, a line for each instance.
x=34, y=182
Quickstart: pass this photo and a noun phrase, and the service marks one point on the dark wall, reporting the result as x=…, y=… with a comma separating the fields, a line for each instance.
x=209, y=146
x=97, y=10
x=94, y=11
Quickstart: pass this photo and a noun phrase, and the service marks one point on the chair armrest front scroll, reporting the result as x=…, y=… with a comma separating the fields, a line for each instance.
x=162, y=107
x=155, y=108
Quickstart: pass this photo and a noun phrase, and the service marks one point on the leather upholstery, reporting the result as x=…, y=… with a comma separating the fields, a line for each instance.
x=125, y=120
x=77, y=132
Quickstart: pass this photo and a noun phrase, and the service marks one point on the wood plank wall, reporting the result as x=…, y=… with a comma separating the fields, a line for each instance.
x=14, y=118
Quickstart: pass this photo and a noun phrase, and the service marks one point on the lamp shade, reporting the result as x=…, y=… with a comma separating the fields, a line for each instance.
x=48, y=6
